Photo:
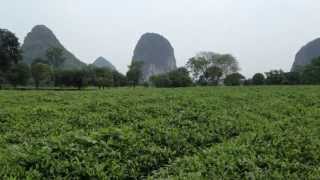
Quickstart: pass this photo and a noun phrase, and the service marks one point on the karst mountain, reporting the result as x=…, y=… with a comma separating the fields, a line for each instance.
x=39, y=40
x=156, y=53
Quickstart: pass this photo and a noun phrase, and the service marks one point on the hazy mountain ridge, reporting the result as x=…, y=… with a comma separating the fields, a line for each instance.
x=156, y=53
x=102, y=62
x=306, y=54
x=39, y=40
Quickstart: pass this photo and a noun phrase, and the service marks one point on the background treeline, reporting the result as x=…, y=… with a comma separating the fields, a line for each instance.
x=204, y=69
x=48, y=72
x=211, y=69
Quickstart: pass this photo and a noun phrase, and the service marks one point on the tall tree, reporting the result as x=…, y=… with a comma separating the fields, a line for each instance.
x=213, y=75
x=2, y=79
x=226, y=62
x=79, y=78
x=197, y=66
x=134, y=73
x=258, y=79
x=40, y=72
x=234, y=79
x=292, y=78
x=311, y=72
x=56, y=57
x=119, y=80
x=103, y=77
x=10, y=52
x=19, y=74
x=275, y=77
x=71, y=78
x=176, y=78
x=180, y=77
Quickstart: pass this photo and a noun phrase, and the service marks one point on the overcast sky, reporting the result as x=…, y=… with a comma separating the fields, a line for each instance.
x=261, y=34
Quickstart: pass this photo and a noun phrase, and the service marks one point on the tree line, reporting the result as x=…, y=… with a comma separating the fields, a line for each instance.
x=48, y=71
x=212, y=69
x=204, y=69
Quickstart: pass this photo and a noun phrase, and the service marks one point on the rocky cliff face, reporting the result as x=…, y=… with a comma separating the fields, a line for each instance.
x=156, y=53
x=306, y=54
x=39, y=40
x=101, y=62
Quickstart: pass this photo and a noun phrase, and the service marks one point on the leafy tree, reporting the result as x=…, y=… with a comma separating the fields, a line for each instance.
x=79, y=78
x=180, y=78
x=248, y=82
x=71, y=78
x=176, y=78
x=292, y=78
x=134, y=73
x=162, y=80
x=62, y=78
x=213, y=74
x=55, y=56
x=40, y=72
x=104, y=77
x=311, y=72
x=10, y=53
x=258, y=79
x=119, y=80
x=226, y=62
x=2, y=80
x=275, y=77
x=198, y=66
x=19, y=74
x=234, y=79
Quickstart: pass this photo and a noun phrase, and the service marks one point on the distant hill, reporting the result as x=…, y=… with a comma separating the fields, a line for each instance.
x=101, y=62
x=39, y=40
x=306, y=54
x=156, y=53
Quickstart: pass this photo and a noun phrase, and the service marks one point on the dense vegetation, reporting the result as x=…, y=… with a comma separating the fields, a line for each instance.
x=205, y=69
x=135, y=133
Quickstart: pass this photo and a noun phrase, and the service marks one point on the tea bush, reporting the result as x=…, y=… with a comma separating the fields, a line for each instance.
x=146, y=133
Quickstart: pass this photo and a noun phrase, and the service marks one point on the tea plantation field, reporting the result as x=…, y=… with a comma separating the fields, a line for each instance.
x=191, y=133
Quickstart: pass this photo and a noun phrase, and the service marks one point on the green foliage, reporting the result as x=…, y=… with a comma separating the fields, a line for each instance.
x=293, y=78
x=209, y=67
x=55, y=56
x=2, y=80
x=40, y=73
x=258, y=79
x=234, y=79
x=161, y=80
x=275, y=77
x=226, y=62
x=119, y=80
x=71, y=78
x=213, y=75
x=19, y=74
x=10, y=53
x=147, y=133
x=176, y=78
x=198, y=66
x=103, y=77
x=134, y=73
x=40, y=60
x=311, y=73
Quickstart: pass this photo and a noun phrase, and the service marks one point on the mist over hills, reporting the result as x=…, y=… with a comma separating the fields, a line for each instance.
x=102, y=62
x=306, y=54
x=156, y=53
x=153, y=49
x=39, y=40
